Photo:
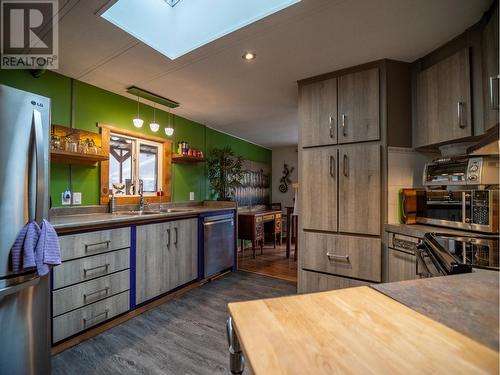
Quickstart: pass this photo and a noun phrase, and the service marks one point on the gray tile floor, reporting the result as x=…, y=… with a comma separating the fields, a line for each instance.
x=183, y=336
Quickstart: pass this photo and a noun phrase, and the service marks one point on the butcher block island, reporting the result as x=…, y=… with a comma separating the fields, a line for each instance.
x=357, y=331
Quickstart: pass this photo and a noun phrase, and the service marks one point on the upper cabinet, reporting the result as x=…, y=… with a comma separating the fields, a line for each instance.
x=318, y=109
x=490, y=71
x=444, y=101
x=358, y=111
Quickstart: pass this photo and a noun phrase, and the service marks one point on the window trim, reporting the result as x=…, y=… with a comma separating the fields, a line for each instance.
x=165, y=161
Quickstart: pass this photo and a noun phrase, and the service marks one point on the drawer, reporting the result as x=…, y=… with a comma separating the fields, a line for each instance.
x=352, y=256
x=91, y=243
x=78, y=270
x=73, y=297
x=310, y=282
x=78, y=320
x=268, y=217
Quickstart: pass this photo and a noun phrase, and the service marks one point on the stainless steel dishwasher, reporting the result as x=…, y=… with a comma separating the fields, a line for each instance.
x=218, y=243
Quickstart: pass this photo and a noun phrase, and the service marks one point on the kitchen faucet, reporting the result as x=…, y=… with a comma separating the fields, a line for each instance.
x=142, y=204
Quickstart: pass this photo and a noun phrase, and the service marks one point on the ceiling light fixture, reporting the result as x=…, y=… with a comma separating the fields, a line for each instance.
x=249, y=56
x=169, y=130
x=138, y=121
x=154, y=126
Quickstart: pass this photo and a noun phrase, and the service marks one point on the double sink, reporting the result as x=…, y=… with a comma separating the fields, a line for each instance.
x=153, y=212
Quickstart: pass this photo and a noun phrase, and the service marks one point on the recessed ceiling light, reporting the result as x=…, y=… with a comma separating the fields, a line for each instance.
x=249, y=56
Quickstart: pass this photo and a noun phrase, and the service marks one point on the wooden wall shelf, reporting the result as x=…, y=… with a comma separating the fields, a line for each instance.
x=66, y=157
x=185, y=159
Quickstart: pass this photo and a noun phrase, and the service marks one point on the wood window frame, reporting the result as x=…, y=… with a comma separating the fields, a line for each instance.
x=166, y=178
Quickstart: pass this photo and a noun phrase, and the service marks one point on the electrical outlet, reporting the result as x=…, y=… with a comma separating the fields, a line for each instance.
x=66, y=198
x=191, y=195
x=77, y=198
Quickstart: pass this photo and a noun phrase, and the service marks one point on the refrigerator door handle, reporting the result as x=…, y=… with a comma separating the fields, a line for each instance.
x=40, y=165
x=18, y=287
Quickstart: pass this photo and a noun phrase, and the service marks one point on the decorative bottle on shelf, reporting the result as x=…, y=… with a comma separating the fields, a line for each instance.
x=179, y=148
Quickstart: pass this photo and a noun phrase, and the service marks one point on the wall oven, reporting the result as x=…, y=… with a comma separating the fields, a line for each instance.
x=448, y=254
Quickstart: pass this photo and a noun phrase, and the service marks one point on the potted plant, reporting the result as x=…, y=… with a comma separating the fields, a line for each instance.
x=224, y=172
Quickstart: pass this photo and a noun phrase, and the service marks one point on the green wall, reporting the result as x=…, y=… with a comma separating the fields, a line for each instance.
x=93, y=105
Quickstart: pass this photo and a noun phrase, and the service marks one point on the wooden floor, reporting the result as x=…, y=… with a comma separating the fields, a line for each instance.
x=184, y=336
x=272, y=263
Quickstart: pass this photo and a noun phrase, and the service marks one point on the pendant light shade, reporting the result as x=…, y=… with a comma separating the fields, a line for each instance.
x=169, y=130
x=154, y=126
x=138, y=122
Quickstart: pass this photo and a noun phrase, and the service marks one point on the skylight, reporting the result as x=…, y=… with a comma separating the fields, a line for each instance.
x=177, y=29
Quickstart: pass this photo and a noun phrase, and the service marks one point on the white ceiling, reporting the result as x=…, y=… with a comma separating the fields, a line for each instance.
x=257, y=100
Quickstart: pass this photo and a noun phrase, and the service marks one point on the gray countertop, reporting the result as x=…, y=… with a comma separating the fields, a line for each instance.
x=81, y=221
x=419, y=230
x=467, y=303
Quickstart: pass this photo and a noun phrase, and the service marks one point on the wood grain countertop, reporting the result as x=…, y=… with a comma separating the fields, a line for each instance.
x=352, y=331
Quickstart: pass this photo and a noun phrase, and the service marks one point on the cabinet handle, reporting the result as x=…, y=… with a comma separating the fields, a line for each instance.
x=346, y=166
x=105, y=266
x=168, y=237
x=104, y=314
x=337, y=257
x=332, y=134
x=460, y=115
x=332, y=166
x=176, y=236
x=494, y=104
x=87, y=295
x=107, y=243
x=344, y=131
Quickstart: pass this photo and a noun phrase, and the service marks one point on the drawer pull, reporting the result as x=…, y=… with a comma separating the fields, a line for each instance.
x=332, y=134
x=107, y=243
x=105, y=266
x=337, y=257
x=93, y=318
x=105, y=290
x=176, y=236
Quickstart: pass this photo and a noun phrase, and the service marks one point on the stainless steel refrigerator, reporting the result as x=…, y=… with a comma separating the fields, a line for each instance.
x=24, y=196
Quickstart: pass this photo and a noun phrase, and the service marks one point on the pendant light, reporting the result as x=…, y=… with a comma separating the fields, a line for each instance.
x=154, y=126
x=169, y=130
x=138, y=121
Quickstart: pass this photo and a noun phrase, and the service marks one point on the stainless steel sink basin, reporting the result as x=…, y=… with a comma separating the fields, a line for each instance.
x=138, y=213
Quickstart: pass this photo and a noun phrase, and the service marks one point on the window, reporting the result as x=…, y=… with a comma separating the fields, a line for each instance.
x=134, y=165
x=175, y=28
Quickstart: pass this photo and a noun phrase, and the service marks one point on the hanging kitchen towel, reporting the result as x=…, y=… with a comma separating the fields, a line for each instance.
x=23, y=250
x=47, y=250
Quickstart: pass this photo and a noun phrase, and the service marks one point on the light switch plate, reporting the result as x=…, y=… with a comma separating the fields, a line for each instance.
x=77, y=198
x=191, y=195
x=66, y=198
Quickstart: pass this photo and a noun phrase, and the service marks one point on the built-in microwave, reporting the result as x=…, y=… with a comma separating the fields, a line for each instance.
x=472, y=210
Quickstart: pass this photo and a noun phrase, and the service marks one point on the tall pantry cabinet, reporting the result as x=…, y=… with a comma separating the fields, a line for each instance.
x=348, y=119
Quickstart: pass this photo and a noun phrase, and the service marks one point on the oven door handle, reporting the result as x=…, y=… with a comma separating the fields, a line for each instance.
x=420, y=263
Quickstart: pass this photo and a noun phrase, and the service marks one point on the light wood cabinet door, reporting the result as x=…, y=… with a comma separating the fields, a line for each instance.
x=490, y=71
x=359, y=189
x=183, y=255
x=444, y=101
x=358, y=106
x=318, y=205
x=401, y=266
x=351, y=256
x=166, y=257
x=318, y=113
x=153, y=244
x=310, y=282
